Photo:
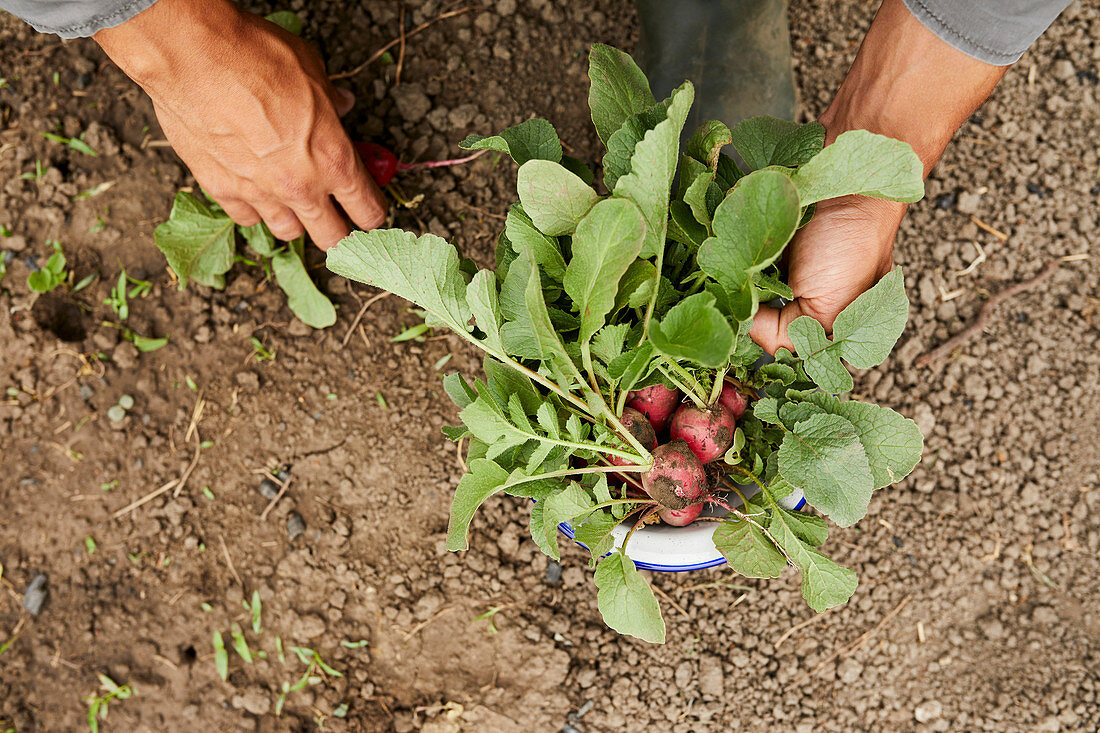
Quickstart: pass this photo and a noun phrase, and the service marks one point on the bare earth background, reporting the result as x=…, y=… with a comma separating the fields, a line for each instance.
x=979, y=604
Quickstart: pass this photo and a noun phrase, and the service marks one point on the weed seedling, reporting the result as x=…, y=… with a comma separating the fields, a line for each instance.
x=259, y=351
x=50, y=276
x=76, y=143
x=97, y=704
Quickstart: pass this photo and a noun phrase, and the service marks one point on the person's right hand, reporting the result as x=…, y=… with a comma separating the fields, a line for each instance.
x=251, y=111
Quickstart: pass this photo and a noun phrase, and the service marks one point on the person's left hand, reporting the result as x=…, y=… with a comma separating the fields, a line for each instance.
x=844, y=250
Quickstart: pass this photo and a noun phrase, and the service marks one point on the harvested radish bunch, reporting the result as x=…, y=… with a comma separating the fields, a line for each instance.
x=608, y=319
x=383, y=165
x=657, y=403
x=707, y=431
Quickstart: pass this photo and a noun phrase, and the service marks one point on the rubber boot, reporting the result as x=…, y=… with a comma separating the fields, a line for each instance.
x=737, y=53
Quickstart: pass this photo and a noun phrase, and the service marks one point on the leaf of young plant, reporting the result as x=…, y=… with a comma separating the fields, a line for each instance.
x=809, y=528
x=608, y=239
x=146, y=344
x=699, y=194
x=609, y=341
x=652, y=167
x=288, y=21
x=861, y=162
x=505, y=381
x=706, y=144
x=822, y=456
x=824, y=583
x=821, y=362
x=694, y=330
x=792, y=413
x=865, y=332
x=422, y=269
x=594, y=532
x=310, y=305
x=632, y=366
x=563, y=507
x=748, y=550
x=773, y=285
x=537, y=525
x=553, y=197
x=456, y=388
x=766, y=410
x=636, y=285
x=550, y=347
x=620, y=148
x=484, y=479
x=578, y=166
x=626, y=601
x=482, y=299
x=534, y=139
x=752, y=225
x=764, y=141
x=618, y=89
x=197, y=241
x=544, y=250
x=683, y=227
x=260, y=239
x=893, y=443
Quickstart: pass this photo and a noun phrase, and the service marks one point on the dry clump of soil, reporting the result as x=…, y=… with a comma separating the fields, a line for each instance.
x=980, y=573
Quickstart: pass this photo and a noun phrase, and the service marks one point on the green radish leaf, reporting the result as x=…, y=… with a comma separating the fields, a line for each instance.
x=764, y=141
x=766, y=410
x=308, y=303
x=457, y=389
x=808, y=528
x=618, y=89
x=554, y=198
x=700, y=192
x=861, y=162
x=822, y=456
x=484, y=479
x=752, y=225
x=575, y=165
x=706, y=144
x=422, y=269
x=626, y=601
x=652, y=167
x=694, y=330
x=594, y=532
x=792, y=413
x=482, y=299
x=505, y=381
x=824, y=583
x=748, y=550
x=770, y=284
x=544, y=250
x=865, y=332
x=608, y=343
x=260, y=239
x=534, y=139
x=198, y=241
x=563, y=507
x=893, y=443
x=636, y=285
x=549, y=344
x=620, y=148
x=288, y=21
x=822, y=363
x=608, y=239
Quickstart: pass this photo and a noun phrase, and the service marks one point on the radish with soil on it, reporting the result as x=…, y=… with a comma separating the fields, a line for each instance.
x=734, y=400
x=597, y=302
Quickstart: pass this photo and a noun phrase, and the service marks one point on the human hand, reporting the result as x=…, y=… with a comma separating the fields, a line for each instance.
x=844, y=250
x=250, y=110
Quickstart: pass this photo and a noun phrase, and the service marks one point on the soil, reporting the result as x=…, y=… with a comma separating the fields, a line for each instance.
x=980, y=573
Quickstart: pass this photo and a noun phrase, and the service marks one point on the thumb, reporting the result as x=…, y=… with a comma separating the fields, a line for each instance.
x=769, y=326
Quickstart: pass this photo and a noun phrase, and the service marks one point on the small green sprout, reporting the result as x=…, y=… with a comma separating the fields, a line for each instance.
x=97, y=704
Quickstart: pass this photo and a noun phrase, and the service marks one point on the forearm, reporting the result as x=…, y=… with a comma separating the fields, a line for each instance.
x=909, y=84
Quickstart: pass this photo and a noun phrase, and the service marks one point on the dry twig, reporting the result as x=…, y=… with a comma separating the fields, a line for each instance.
x=851, y=648
x=359, y=316
x=811, y=620
x=984, y=315
x=145, y=499
x=229, y=561
x=378, y=54
x=275, y=499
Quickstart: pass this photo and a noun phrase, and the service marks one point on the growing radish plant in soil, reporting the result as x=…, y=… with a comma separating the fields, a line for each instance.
x=607, y=310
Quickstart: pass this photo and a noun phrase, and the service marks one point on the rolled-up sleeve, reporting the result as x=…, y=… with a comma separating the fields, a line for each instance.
x=74, y=18
x=995, y=31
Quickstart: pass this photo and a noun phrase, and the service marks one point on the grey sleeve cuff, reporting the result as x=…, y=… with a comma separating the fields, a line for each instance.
x=74, y=18
x=994, y=31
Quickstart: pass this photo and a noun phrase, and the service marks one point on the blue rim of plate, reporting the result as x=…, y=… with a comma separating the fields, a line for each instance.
x=567, y=530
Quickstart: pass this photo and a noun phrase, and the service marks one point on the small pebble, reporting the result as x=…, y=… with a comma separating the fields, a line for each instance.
x=295, y=526
x=35, y=595
x=946, y=200
x=269, y=489
x=116, y=414
x=126, y=402
x=553, y=573
x=283, y=474
x=569, y=729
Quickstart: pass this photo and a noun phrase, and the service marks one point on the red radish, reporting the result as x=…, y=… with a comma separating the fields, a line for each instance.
x=383, y=165
x=734, y=400
x=657, y=403
x=708, y=432
x=681, y=517
x=677, y=478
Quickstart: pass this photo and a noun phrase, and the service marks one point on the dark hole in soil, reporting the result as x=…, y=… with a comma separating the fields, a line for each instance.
x=188, y=655
x=60, y=316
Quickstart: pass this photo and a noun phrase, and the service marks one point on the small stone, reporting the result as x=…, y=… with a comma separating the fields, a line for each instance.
x=1044, y=615
x=295, y=526
x=126, y=402
x=712, y=681
x=460, y=117
x=248, y=381
x=1063, y=70
x=992, y=628
x=849, y=671
x=269, y=489
x=506, y=7
x=553, y=573
x=946, y=201
x=307, y=627
x=925, y=419
x=412, y=103
x=125, y=355
x=928, y=711
x=253, y=700
x=116, y=414
x=16, y=243
x=298, y=329
x=35, y=594
x=968, y=202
